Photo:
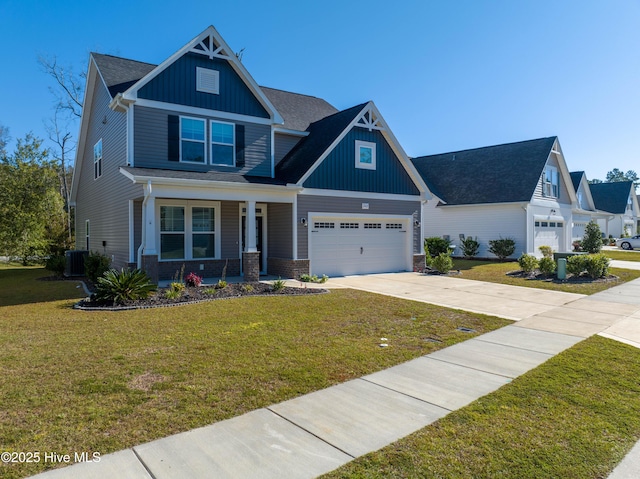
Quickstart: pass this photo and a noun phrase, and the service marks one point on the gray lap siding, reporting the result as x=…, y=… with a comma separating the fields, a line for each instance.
x=151, y=144
x=342, y=205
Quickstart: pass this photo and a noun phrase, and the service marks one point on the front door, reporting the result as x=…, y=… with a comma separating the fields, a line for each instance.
x=259, y=237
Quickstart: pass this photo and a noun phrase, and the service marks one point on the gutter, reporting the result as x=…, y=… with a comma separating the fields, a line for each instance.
x=143, y=241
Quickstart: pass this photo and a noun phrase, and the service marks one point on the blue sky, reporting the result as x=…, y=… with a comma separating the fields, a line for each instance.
x=446, y=75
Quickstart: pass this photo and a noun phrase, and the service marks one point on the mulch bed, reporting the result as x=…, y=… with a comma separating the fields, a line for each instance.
x=200, y=294
x=571, y=279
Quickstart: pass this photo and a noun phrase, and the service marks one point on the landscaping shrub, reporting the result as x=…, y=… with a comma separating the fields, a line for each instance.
x=436, y=246
x=576, y=264
x=597, y=265
x=577, y=246
x=306, y=278
x=547, y=251
x=193, y=280
x=528, y=263
x=95, y=265
x=502, y=248
x=56, y=264
x=427, y=253
x=470, y=247
x=547, y=266
x=124, y=285
x=443, y=263
x=592, y=240
x=278, y=284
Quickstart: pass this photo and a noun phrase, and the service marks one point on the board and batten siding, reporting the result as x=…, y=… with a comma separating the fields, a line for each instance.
x=564, y=193
x=343, y=205
x=481, y=221
x=283, y=144
x=151, y=144
x=338, y=172
x=280, y=230
x=177, y=84
x=105, y=201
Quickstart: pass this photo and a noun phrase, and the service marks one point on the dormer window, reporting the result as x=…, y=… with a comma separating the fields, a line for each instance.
x=550, y=182
x=365, y=155
x=207, y=80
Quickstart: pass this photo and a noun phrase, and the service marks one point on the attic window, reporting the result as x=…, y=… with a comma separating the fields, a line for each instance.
x=365, y=155
x=207, y=80
x=550, y=182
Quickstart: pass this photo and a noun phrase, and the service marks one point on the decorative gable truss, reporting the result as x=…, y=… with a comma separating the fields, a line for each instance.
x=370, y=120
x=212, y=49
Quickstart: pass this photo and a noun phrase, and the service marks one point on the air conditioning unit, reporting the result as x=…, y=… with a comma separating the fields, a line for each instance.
x=75, y=262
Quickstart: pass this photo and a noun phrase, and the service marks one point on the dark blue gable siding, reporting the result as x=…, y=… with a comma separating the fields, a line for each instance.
x=338, y=171
x=177, y=84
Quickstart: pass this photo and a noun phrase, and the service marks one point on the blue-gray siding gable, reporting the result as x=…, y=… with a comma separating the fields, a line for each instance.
x=177, y=84
x=338, y=171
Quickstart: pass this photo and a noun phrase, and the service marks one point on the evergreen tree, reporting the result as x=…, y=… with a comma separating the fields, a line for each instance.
x=592, y=240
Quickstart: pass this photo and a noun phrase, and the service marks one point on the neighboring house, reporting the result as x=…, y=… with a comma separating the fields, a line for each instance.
x=191, y=163
x=620, y=201
x=519, y=190
x=585, y=209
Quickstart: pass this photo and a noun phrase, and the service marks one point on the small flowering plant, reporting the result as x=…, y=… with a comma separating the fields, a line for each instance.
x=193, y=279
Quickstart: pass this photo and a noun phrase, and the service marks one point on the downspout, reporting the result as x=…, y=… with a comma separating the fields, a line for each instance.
x=143, y=241
x=528, y=233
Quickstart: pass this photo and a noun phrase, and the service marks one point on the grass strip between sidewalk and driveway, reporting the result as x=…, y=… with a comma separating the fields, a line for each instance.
x=573, y=417
x=496, y=272
x=74, y=381
x=623, y=255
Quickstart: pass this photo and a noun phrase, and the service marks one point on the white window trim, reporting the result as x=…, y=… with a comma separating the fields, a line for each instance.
x=201, y=80
x=188, y=233
x=204, y=141
x=211, y=142
x=97, y=160
x=87, y=234
x=550, y=184
x=366, y=144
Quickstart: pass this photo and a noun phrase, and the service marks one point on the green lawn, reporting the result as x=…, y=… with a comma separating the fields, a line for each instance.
x=98, y=381
x=495, y=272
x=574, y=417
x=623, y=255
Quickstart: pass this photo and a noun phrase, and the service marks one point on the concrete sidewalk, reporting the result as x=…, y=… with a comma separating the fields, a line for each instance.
x=316, y=433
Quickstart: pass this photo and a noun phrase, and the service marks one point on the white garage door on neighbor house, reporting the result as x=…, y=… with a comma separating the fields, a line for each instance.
x=549, y=233
x=340, y=246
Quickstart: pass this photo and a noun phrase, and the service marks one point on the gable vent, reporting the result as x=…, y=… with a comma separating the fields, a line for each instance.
x=207, y=80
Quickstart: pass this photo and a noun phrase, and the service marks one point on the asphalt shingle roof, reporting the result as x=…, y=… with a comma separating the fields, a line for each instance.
x=576, y=178
x=611, y=197
x=494, y=174
x=321, y=134
x=211, y=175
x=297, y=110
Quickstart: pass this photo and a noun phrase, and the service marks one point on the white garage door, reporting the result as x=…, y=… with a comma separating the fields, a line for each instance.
x=359, y=245
x=548, y=233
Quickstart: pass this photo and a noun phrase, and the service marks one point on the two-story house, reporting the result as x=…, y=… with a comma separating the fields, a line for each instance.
x=518, y=190
x=620, y=201
x=191, y=162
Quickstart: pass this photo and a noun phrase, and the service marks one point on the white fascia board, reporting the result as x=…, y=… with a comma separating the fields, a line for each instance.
x=223, y=192
x=566, y=177
x=325, y=214
x=358, y=194
x=87, y=103
x=513, y=203
x=391, y=139
x=214, y=186
x=193, y=110
x=587, y=190
x=132, y=92
x=401, y=154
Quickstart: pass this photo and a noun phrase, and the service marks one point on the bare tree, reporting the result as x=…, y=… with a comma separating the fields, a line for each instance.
x=58, y=133
x=69, y=92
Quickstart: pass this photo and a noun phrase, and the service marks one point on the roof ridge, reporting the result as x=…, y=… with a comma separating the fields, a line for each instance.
x=484, y=147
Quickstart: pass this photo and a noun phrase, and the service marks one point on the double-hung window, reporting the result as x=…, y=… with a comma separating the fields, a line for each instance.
x=222, y=143
x=97, y=160
x=188, y=230
x=551, y=182
x=192, y=140
x=202, y=232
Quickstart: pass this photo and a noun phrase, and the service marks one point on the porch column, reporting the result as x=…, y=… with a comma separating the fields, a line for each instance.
x=150, y=227
x=250, y=255
x=250, y=230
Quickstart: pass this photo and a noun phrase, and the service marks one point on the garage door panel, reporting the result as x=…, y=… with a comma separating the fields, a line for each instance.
x=370, y=247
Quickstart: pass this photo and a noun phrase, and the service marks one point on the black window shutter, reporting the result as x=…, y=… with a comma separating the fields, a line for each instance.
x=173, y=137
x=239, y=146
